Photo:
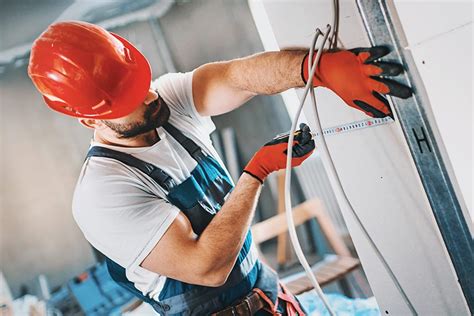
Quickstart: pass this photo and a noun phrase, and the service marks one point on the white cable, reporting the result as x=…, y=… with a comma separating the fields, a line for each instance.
x=335, y=25
x=324, y=149
x=288, y=209
x=325, y=152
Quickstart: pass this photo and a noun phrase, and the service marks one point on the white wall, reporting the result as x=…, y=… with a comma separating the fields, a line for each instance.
x=375, y=164
x=440, y=37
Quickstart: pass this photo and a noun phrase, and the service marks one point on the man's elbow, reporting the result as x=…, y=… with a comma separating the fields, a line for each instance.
x=215, y=280
x=215, y=276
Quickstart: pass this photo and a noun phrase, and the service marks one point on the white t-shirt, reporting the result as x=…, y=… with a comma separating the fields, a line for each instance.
x=120, y=210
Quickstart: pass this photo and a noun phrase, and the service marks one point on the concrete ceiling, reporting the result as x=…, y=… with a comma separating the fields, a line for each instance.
x=21, y=21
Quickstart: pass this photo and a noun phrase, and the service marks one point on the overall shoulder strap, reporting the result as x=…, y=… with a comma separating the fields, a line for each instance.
x=161, y=177
x=191, y=147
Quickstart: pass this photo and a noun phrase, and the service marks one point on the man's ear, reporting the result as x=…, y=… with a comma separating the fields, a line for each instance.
x=91, y=123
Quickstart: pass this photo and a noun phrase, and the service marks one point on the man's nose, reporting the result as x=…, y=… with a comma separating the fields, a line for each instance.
x=151, y=96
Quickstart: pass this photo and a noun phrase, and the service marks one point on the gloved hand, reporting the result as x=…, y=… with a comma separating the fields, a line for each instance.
x=354, y=76
x=272, y=156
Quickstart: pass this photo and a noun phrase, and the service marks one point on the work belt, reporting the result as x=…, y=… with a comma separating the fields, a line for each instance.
x=257, y=300
x=249, y=305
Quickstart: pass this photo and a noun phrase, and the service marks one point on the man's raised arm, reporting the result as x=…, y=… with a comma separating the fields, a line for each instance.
x=221, y=87
x=357, y=76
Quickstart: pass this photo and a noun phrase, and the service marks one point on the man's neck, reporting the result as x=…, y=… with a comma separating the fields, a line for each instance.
x=142, y=140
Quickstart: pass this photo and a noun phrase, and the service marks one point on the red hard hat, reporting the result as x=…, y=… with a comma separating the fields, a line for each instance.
x=82, y=70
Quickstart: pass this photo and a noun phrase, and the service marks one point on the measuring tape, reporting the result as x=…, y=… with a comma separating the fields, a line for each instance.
x=338, y=129
x=355, y=126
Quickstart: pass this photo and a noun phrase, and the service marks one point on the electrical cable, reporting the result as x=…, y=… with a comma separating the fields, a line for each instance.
x=335, y=25
x=333, y=171
x=324, y=149
x=288, y=209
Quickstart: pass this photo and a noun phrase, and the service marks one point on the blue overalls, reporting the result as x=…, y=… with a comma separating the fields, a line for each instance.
x=199, y=197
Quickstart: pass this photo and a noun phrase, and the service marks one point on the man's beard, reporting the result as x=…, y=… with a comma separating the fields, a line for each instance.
x=150, y=121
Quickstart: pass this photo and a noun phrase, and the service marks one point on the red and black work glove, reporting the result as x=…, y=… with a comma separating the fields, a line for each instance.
x=272, y=156
x=357, y=78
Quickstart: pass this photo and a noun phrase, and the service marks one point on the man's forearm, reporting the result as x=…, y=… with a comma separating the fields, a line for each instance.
x=268, y=72
x=221, y=87
x=224, y=236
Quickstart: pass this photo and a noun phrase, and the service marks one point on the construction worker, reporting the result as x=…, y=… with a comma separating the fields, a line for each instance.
x=153, y=195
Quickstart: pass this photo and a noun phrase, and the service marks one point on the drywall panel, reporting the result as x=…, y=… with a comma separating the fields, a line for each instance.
x=442, y=49
x=426, y=19
x=448, y=85
x=378, y=176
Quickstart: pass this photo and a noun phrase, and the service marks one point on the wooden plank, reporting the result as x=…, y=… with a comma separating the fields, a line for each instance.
x=324, y=274
x=277, y=224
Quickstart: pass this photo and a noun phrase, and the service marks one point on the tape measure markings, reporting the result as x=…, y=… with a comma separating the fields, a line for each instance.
x=338, y=129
